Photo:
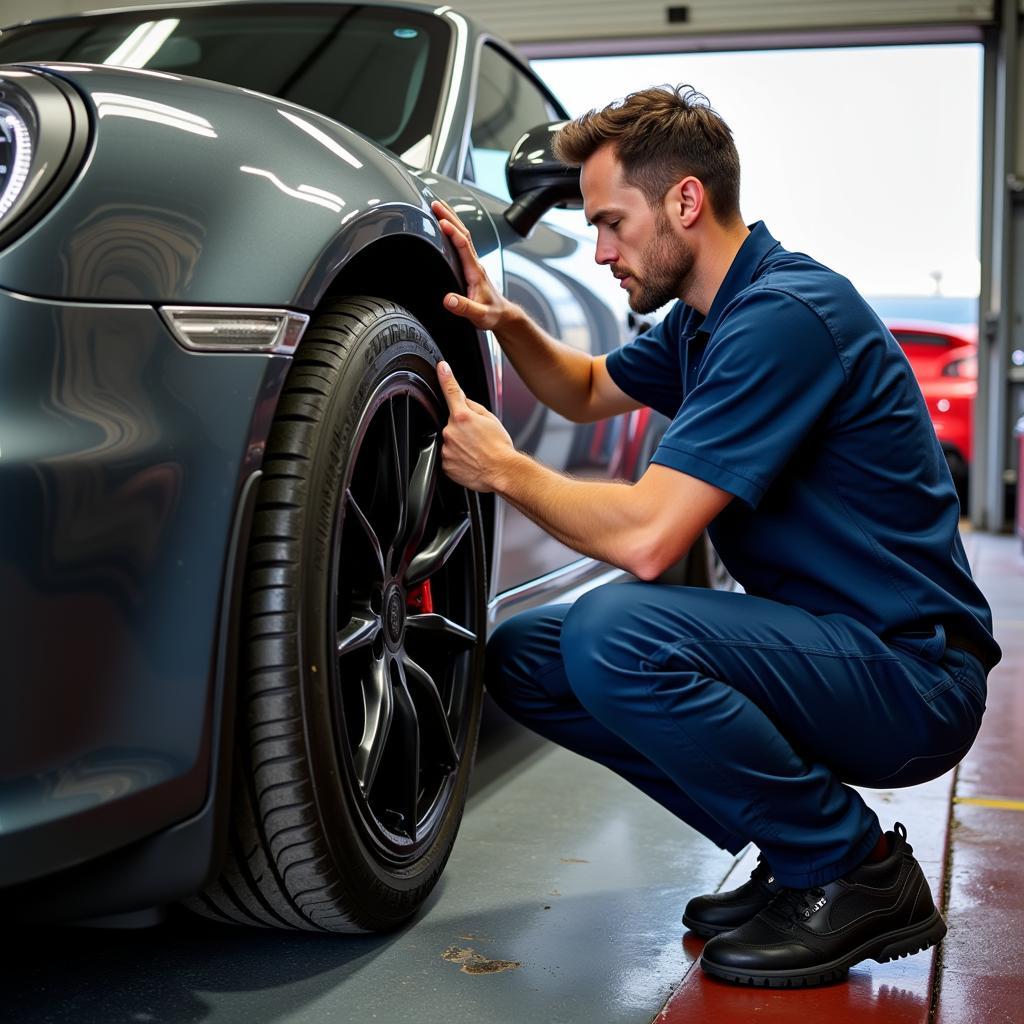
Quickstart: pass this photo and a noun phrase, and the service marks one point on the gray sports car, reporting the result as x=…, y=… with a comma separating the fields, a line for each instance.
x=244, y=611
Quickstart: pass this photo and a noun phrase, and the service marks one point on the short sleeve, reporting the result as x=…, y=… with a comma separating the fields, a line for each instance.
x=769, y=374
x=647, y=368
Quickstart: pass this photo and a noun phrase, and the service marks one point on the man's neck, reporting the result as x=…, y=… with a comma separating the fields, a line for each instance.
x=713, y=263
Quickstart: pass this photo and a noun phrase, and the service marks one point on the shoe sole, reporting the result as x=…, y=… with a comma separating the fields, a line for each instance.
x=709, y=931
x=891, y=946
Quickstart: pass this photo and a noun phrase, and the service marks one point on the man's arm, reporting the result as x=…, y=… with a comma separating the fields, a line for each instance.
x=576, y=385
x=643, y=528
x=573, y=383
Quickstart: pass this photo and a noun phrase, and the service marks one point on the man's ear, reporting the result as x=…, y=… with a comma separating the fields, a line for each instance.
x=686, y=201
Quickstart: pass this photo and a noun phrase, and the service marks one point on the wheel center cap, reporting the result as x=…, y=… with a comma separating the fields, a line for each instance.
x=394, y=617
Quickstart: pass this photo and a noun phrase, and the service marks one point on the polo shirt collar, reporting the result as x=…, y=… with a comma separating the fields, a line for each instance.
x=741, y=272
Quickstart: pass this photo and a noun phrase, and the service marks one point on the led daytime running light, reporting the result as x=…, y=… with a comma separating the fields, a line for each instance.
x=21, y=139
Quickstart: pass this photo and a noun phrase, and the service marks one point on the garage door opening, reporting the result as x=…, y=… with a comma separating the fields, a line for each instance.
x=868, y=158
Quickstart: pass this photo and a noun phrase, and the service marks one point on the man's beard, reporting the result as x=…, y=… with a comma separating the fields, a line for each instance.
x=668, y=262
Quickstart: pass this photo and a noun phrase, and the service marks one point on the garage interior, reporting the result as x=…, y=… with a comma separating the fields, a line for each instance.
x=562, y=899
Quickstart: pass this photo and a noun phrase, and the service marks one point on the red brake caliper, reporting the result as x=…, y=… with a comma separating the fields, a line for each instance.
x=419, y=599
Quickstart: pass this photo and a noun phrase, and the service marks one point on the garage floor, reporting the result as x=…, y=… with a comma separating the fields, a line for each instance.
x=558, y=867
x=561, y=903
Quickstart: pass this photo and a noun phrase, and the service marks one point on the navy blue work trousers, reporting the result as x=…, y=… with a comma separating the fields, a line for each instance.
x=747, y=719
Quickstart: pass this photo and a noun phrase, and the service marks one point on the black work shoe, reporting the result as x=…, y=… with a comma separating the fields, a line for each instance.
x=723, y=911
x=880, y=910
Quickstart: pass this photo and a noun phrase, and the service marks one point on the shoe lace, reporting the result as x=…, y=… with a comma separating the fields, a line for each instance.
x=792, y=905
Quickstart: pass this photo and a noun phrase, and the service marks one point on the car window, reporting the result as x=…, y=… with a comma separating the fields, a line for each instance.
x=377, y=70
x=508, y=102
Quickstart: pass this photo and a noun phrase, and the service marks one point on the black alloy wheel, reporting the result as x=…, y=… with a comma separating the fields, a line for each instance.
x=402, y=523
x=365, y=618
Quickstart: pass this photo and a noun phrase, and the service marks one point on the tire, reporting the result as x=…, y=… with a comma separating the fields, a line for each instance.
x=359, y=704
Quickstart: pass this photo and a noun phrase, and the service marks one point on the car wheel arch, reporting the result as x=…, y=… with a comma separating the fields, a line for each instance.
x=372, y=271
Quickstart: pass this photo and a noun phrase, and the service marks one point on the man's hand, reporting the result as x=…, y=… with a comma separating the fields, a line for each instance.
x=485, y=305
x=476, y=446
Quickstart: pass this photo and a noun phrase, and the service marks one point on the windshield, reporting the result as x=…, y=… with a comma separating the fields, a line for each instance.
x=376, y=69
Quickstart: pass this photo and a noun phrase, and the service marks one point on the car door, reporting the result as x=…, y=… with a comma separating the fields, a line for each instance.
x=552, y=275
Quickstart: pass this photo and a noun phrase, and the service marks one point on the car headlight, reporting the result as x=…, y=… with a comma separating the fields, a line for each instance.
x=44, y=129
x=15, y=156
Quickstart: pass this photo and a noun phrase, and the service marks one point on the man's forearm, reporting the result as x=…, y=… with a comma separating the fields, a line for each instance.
x=599, y=518
x=557, y=374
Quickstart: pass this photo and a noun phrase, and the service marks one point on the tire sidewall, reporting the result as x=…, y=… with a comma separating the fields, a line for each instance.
x=394, y=342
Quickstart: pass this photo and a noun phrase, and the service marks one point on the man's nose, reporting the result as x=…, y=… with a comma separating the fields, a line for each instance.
x=604, y=252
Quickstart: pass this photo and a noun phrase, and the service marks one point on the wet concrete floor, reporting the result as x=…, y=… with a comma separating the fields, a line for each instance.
x=560, y=867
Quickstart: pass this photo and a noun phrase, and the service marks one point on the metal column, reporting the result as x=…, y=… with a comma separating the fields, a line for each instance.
x=1001, y=307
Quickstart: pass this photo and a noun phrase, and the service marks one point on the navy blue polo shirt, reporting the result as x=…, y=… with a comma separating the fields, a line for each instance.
x=793, y=396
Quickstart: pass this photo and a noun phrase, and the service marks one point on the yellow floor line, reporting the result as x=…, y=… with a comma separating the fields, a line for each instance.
x=987, y=801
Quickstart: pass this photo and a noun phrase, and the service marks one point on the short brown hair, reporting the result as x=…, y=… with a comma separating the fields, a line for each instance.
x=661, y=135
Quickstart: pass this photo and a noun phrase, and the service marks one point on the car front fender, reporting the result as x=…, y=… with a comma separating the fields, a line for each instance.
x=199, y=193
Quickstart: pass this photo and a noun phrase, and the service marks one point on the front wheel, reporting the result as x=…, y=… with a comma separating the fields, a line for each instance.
x=364, y=625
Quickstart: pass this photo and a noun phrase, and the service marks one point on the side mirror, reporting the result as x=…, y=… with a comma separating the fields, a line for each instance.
x=538, y=180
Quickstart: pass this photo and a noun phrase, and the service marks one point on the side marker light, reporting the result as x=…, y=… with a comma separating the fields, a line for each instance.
x=235, y=329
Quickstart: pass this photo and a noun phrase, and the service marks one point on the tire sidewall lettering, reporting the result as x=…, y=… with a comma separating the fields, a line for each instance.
x=379, y=357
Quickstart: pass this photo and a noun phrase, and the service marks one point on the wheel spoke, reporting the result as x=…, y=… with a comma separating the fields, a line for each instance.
x=407, y=531
x=358, y=632
x=421, y=493
x=379, y=709
x=409, y=728
x=437, y=552
x=433, y=708
x=371, y=533
x=400, y=457
x=435, y=623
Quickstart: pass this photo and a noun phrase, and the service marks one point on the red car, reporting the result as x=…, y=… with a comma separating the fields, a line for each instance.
x=945, y=361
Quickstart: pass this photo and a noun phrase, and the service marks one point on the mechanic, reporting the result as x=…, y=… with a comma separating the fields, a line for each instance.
x=799, y=438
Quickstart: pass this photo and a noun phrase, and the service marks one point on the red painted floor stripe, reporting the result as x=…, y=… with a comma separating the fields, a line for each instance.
x=982, y=978
x=898, y=992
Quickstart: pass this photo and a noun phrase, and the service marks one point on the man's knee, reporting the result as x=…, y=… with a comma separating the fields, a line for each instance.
x=611, y=639
x=522, y=655
x=589, y=618
x=500, y=661
x=593, y=649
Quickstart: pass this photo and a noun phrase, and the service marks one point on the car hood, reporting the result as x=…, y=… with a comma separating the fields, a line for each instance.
x=198, y=192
